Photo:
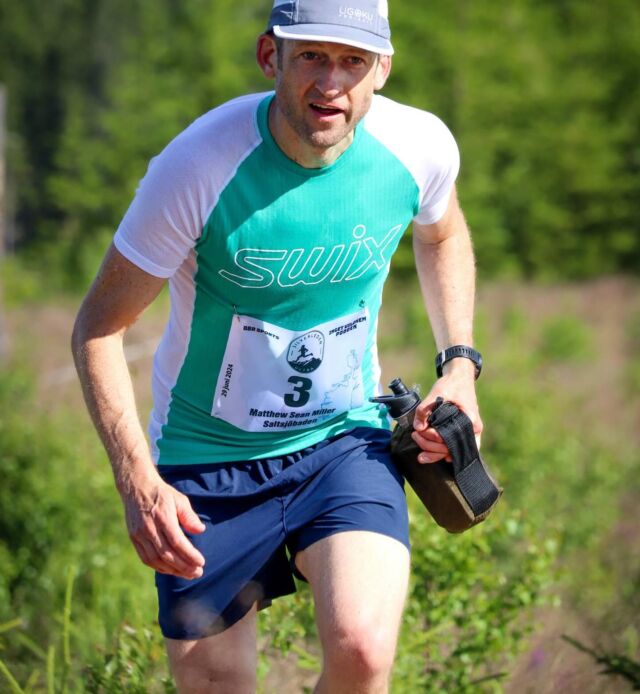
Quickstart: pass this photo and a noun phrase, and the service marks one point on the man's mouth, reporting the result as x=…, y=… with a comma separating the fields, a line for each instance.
x=325, y=110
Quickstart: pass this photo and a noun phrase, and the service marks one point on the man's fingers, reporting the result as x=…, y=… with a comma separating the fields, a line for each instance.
x=153, y=514
x=423, y=411
x=159, y=556
x=430, y=440
x=184, y=552
x=172, y=556
x=148, y=555
x=165, y=548
x=187, y=517
x=433, y=458
x=431, y=435
x=172, y=546
x=432, y=445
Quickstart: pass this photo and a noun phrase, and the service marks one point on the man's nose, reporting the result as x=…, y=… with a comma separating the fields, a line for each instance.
x=330, y=80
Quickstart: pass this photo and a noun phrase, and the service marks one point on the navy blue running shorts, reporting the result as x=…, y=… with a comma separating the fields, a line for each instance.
x=255, y=512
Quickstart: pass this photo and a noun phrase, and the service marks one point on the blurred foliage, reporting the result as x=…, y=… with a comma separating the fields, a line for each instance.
x=564, y=338
x=541, y=97
x=134, y=665
x=464, y=619
x=58, y=509
x=633, y=369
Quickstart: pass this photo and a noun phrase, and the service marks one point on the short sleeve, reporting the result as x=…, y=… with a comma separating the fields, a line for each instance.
x=425, y=147
x=444, y=166
x=164, y=221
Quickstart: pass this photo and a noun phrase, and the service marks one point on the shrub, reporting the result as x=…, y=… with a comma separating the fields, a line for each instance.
x=58, y=509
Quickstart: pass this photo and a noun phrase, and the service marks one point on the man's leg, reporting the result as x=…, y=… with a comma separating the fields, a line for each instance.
x=220, y=664
x=359, y=581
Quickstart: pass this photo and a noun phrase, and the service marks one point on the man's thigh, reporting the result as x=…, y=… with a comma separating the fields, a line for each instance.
x=224, y=663
x=359, y=581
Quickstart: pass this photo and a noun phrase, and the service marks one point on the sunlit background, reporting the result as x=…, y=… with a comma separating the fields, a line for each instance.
x=543, y=99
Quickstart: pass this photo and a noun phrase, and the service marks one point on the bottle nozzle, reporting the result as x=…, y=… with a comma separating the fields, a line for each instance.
x=398, y=387
x=402, y=402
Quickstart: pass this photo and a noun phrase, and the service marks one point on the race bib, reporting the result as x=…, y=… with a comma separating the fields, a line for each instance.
x=274, y=379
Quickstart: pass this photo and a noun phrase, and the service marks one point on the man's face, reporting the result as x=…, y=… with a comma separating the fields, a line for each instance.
x=324, y=89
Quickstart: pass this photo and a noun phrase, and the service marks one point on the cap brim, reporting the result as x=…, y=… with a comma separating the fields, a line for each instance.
x=334, y=33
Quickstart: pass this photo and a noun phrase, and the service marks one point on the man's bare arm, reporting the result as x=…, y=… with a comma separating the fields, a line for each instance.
x=446, y=270
x=154, y=511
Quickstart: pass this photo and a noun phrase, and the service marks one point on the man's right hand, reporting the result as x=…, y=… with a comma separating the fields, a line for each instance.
x=156, y=514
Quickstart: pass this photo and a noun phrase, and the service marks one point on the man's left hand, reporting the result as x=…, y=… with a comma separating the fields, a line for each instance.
x=457, y=385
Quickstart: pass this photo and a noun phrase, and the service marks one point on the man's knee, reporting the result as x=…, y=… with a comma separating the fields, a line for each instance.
x=365, y=651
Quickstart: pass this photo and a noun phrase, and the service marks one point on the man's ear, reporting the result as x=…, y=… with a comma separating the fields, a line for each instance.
x=267, y=55
x=383, y=68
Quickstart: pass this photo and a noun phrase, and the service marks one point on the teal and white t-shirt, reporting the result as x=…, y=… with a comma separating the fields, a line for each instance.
x=275, y=275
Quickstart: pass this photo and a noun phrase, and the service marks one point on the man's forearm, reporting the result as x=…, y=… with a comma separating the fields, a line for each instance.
x=446, y=270
x=109, y=395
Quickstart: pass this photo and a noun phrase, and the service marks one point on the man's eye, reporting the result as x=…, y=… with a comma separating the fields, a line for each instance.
x=355, y=60
x=308, y=55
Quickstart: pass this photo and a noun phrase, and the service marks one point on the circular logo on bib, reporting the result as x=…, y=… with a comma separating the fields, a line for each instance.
x=306, y=352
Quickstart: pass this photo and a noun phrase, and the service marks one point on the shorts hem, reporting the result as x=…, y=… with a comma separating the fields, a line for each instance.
x=184, y=635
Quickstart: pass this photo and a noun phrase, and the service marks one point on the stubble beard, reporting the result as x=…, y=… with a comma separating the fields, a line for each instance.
x=318, y=138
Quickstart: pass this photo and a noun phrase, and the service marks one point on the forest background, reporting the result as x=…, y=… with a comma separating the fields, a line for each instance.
x=543, y=100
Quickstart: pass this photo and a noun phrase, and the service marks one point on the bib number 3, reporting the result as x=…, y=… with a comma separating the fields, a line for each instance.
x=273, y=379
x=300, y=396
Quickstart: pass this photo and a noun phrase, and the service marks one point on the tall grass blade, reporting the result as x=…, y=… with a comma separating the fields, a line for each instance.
x=51, y=670
x=11, y=625
x=66, y=628
x=30, y=645
x=13, y=685
x=31, y=682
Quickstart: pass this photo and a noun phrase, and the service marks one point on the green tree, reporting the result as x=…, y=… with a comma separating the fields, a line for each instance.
x=541, y=97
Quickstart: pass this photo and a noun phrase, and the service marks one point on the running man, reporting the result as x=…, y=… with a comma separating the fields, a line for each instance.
x=274, y=218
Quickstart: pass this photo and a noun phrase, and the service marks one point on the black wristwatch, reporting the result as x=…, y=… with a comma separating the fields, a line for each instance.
x=458, y=351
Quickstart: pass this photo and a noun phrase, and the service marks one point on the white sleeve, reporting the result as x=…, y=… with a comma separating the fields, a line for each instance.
x=183, y=184
x=164, y=221
x=424, y=145
x=444, y=159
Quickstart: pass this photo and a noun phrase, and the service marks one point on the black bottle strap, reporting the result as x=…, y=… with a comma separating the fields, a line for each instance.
x=469, y=473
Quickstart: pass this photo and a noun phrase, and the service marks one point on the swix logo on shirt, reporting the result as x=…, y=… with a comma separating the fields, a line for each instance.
x=261, y=267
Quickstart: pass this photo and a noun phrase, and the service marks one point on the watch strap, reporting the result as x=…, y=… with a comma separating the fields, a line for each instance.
x=458, y=351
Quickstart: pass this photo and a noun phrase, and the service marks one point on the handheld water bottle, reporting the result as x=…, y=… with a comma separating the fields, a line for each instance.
x=459, y=494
